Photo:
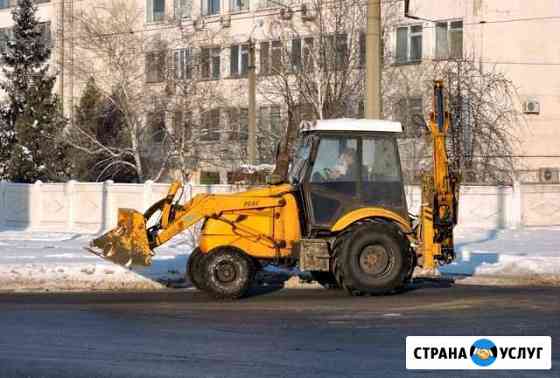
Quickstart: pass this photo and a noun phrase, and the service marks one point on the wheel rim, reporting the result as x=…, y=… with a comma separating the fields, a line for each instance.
x=375, y=260
x=226, y=272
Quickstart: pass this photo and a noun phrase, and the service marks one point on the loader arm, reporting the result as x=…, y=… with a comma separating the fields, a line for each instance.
x=440, y=192
x=212, y=206
x=132, y=242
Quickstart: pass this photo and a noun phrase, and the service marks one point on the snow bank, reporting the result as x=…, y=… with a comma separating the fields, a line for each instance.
x=34, y=261
x=528, y=252
x=55, y=262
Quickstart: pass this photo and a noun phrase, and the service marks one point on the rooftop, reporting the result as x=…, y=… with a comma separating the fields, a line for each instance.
x=351, y=124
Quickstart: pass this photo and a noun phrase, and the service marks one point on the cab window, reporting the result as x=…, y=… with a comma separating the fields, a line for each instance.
x=381, y=183
x=336, y=161
x=333, y=180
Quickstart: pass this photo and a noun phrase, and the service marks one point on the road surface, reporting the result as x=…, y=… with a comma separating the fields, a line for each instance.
x=282, y=333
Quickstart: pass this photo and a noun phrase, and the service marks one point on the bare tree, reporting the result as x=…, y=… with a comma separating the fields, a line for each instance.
x=313, y=65
x=485, y=117
x=110, y=48
x=482, y=100
x=165, y=94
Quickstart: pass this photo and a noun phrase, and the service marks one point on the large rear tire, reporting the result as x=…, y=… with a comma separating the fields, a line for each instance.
x=371, y=258
x=195, y=272
x=228, y=272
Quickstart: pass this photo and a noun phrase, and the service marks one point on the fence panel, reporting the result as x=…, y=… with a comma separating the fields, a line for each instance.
x=540, y=205
x=92, y=207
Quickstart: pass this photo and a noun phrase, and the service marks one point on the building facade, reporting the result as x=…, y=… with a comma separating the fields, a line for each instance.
x=515, y=38
x=209, y=40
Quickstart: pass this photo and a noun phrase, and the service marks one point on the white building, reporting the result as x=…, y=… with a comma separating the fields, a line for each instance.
x=519, y=38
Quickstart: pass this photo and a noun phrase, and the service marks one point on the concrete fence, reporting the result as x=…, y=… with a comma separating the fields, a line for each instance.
x=92, y=207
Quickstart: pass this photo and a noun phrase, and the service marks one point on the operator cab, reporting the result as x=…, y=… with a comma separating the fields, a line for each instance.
x=347, y=164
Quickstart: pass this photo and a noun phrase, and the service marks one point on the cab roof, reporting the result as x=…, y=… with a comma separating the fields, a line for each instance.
x=351, y=124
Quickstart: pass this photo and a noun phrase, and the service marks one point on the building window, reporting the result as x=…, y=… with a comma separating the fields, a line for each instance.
x=449, y=40
x=269, y=132
x=409, y=44
x=272, y=3
x=45, y=28
x=156, y=127
x=210, y=125
x=362, y=45
x=6, y=35
x=182, y=129
x=155, y=66
x=296, y=55
x=340, y=47
x=183, y=9
x=209, y=178
x=211, y=64
x=238, y=124
x=264, y=54
x=238, y=5
x=271, y=57
x=410, y=113
x=276, y=57
x=4, y=4
x=210, y=7
x=301, y=56
x=183, y=64
x=304, y=112
x=239, y=60
x=155, y=10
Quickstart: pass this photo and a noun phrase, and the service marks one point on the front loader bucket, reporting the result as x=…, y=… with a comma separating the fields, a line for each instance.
x=127, y=244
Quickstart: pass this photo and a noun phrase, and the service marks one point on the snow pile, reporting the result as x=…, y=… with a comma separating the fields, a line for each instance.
x=526, y=252
x=57, y=261
x=248, y=168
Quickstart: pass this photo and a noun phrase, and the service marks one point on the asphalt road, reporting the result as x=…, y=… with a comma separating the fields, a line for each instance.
x=286, y=333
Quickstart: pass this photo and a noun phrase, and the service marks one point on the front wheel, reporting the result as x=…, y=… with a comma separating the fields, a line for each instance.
x=195, y=272
x=372, y=258
x=229, y=273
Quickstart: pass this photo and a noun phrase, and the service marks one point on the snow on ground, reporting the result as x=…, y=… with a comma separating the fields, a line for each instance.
x=522, y=252
x=41, y=261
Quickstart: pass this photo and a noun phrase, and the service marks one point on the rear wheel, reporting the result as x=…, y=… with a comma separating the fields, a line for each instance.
x=228, y=273
x=371, y=258
x=195, y=266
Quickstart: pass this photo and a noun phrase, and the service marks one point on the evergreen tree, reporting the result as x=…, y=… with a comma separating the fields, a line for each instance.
x=87, y=121
x=99, y=130
x=32, y=119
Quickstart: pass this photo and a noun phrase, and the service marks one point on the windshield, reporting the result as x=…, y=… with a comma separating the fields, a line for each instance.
x=300, y=159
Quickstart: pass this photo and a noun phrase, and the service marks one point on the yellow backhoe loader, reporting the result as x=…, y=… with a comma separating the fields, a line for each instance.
x=342, y=216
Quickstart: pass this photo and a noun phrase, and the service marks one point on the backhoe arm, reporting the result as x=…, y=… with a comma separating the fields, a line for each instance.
x=440, y=192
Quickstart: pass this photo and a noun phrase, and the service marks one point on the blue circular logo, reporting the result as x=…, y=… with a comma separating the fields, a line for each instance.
x=483, y=352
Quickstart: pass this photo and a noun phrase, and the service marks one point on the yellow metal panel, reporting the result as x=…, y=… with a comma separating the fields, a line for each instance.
x=371, y=212
x=266, y=233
